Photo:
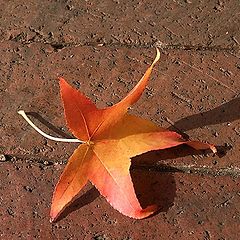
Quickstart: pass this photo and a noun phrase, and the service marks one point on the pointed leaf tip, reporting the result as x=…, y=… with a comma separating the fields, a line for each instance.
x=54, y=215
x=213, y=148
x=201, y=146
x=51, y=220
x=61, y=79
x=148, y=211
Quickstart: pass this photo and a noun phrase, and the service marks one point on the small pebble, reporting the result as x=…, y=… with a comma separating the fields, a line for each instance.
x=215, y=162
x=215, y=134
x=27, y=188
x=10, y=212
x=3, y=158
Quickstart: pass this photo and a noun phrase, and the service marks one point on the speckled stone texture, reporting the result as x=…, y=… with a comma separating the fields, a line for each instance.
x=103, y=48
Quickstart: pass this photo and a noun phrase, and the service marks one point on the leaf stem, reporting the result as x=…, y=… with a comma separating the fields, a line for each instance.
x=23, y=114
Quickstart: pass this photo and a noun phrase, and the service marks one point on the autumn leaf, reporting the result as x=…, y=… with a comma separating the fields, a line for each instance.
x=111, y=138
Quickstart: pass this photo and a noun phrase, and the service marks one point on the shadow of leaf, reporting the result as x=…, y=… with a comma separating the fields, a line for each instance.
x=154, y=188
x=81, y=201
x=228, y=112
x=154, y=181
x=49, y=125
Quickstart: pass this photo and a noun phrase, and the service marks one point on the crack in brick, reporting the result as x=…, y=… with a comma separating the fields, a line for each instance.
x=57, y=45
x=188, y=169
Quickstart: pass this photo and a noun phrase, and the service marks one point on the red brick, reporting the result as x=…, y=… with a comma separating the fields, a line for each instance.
x=103, y=47
x=194, y=207
x=192, y=23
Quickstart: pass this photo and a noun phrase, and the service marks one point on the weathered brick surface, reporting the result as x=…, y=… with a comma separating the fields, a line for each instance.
x=194, y=207
x=103, y=48
x=193, y=23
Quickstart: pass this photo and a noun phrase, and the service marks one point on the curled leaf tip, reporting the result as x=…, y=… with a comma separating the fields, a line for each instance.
x=54, y=215
x=157, y=57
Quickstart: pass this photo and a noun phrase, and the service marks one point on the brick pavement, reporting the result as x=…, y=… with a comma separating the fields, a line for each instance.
x=103, y=48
